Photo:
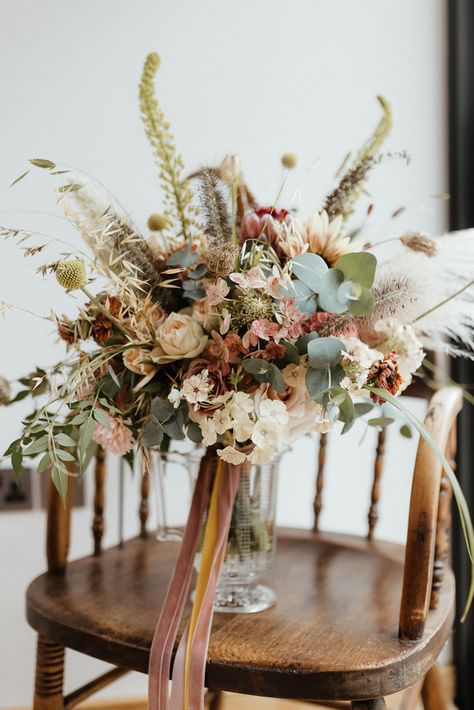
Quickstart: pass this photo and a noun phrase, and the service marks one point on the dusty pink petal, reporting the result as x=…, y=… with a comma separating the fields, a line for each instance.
x=115, y=438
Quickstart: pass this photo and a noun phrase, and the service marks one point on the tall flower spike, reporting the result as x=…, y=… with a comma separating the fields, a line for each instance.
x=342, y=199
x=177, y=193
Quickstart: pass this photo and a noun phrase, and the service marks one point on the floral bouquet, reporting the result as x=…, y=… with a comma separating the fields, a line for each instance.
x=238, y=326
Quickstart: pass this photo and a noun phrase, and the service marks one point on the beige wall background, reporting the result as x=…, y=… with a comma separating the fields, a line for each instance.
x=254, y=78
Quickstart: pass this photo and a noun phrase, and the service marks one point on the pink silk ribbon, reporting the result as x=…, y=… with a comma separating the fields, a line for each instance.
x=189, y=694
x=178, y=589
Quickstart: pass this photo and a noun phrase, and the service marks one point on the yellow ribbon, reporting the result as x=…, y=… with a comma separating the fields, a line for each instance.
x=207, y=555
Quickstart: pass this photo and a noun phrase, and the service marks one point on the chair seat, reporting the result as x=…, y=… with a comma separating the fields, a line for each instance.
x=331, y=635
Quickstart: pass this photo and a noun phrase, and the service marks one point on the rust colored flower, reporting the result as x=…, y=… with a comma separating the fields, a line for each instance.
x=100, y=329
x=317, y=321
x=275, y=351
x=66, y=331
x=385, y=374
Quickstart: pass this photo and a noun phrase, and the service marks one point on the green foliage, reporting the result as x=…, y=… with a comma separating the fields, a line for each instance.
x=358, y=267
x=325, y=352
x=177, y=193
x=264, y=371
x=309, y=268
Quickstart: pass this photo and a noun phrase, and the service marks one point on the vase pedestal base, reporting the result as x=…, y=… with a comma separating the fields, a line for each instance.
x=243, y=599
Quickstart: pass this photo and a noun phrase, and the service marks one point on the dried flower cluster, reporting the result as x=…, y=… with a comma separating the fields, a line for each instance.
x=242, y=334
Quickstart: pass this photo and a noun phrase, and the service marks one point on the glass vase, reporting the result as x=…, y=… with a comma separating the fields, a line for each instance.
x=251, y=543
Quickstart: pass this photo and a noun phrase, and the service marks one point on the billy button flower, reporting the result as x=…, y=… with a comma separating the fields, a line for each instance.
x=71, y=275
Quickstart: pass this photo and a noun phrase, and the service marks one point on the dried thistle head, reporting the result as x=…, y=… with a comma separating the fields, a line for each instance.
x=249, y=306
x=420, y=242
x=71, y=274
x=221, y=259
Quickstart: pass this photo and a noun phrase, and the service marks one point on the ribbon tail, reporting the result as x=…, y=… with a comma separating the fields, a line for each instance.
x=198, y=643
x=171, y=613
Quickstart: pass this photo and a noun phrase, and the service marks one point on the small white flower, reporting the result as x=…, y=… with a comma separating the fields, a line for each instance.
x=208, y=431
x=174, y=397
x=231, y=455
x=260, y=456
x=221, y=421
x=241, y=402
x=242, y=427
x=273, y=409
x=267, y=434
x=196, y=388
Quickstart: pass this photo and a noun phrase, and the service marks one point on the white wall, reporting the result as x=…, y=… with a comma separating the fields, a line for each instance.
x=255, y=78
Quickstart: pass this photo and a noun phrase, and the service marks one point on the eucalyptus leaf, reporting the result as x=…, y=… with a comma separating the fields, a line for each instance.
x=194, y=433
x=309, y=268
x=161, y=408
x=363, y=305
x=325, y=352
x=406, y=431
x=358, y=267
x=362, y=408
x=328, y=291
x=303, y=342
x=183, y=257
x=152, y=436
x=64, y=455
x=318, y=382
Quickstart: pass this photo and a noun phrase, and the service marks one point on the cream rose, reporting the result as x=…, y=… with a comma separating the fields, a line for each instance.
x=180, y=336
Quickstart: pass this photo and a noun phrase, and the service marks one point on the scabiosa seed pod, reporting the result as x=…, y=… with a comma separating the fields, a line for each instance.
x=221, y=259
x=71, y=274
x=157, y=222
x=419, y=241
x=289, y=160
x=5, y=391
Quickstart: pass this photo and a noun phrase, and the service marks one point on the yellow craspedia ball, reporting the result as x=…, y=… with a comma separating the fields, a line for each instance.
x=71, y=274
x=289, y=160
x=157, y=222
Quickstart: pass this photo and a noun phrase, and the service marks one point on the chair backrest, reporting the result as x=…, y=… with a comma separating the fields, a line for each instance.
x=429, y=523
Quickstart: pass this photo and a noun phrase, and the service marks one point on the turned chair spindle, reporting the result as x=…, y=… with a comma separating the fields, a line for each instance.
x=318, y=499
x=98, y=524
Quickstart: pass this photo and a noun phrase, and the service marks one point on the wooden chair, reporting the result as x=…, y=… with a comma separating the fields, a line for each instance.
x=356, y=619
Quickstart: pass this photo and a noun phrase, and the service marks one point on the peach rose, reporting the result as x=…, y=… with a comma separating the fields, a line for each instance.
x=135, y=359
x=179, y=337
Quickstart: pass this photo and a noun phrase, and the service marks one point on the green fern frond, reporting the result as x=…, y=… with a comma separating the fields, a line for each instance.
x=177, y=193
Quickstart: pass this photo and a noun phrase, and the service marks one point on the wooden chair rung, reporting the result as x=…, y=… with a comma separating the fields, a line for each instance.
x=85, y=691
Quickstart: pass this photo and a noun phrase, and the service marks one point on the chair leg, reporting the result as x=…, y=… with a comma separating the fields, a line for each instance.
x=49, y=675
x=432, y=692
x=376, y=704
x=214, y=699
